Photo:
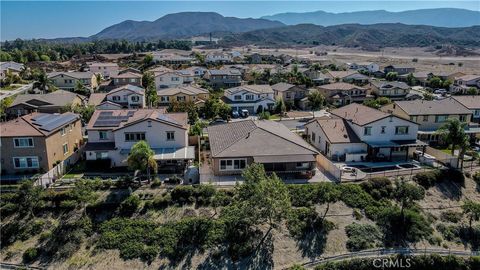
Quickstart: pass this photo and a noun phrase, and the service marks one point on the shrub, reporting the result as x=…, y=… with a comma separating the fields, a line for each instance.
x=354, y=196
x=476, y=178
x=30, y=255
x=378, y=188
x=156, y=183
x=130, y=204
x=8, y=209
x=68, y=204
x=302, y=195
x=451, y=216
x=427, y=179
x=362, y=236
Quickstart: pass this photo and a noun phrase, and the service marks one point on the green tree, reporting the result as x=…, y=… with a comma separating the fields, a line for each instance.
x=472, y=91
x=315, y=100
x=411, y=80
x=280, y=106
x=327, y=193
x=427, y=96
x=42, y=82
x=5, y=56
x=84, y=194
x=81, y=89
x=148, y=61
x=406, y=194
x=435, y=82
x=29, y=197
x=472, y=210
x=453, y=133
x=391, y=76
x=141, y=158
x=4, y=104
x=446, y=84
x=148, y=82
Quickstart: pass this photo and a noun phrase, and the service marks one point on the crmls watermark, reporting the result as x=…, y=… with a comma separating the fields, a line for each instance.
x=385, y=263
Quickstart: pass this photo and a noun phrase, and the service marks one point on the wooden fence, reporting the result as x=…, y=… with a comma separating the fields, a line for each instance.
x=59, y=170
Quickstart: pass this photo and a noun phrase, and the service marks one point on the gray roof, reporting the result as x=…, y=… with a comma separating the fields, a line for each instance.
x=359, y=114
x=431, y=107
x=254, y=88
x=73, y=74
x=230, y=72
x=336, y=129
x=282, y=86
x=387, y=84
x=129, y=87
x=58, y=98
x=471, y=102
x=256, y=139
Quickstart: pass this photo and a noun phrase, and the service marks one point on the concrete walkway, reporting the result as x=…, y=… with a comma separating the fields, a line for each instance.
x=20, y=90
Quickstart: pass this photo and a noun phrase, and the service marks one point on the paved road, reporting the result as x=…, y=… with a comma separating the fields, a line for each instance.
x=21, y=90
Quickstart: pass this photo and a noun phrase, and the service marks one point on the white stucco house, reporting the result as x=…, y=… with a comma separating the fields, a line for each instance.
x=169, y=78
x=253, y=98
x=359, y=133
x=127, y=96
x=112, y=133
x=104, y=69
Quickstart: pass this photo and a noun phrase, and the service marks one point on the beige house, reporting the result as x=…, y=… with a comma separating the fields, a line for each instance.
x=36, y=142
x=289, y=92
x=340, y=93
x=68, y=80
x=127, y=77
x=429, y=114
x=185, y=93
x=391, y=90
x=105, y=69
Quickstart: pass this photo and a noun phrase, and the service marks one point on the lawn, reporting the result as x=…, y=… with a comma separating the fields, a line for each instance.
x=10, y=87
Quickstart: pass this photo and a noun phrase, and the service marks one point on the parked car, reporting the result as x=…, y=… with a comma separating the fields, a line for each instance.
x=440, y=91
x=244, y=113
x=235, y=114
x=217, y=121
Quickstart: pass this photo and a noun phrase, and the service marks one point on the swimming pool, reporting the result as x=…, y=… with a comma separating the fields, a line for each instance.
x=368, y=169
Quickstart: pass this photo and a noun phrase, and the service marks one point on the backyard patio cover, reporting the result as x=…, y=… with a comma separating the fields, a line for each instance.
x=409, y=143
x=170, y=153
x=284, y=159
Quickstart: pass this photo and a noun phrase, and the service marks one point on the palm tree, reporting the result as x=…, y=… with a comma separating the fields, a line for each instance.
x=44, y=83
x=141, y=158
x=453, y=133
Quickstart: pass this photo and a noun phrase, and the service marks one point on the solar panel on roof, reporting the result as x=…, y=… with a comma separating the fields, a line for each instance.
x=56, y=121
x=166, y=118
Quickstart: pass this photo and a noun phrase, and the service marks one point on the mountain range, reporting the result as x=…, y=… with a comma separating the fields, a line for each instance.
x=355, y=35
x=442, y=17
x=182, y=25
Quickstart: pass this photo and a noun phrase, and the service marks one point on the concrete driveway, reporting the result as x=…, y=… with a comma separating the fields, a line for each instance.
x=20, y=90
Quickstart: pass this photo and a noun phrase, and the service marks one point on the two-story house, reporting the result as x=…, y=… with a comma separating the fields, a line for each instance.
x=69, y=80
x=349, y=76
x=37, y=142
x=112, y=133
x=430, y=115
x=289, y=92
x=369, y=67
x=254, y=98
x=128, y=96
x=391, y=90
x=185, y=93
x=53, y=102
x=341, y=93
x=463, y=83
x=472, y=103
x=168, y=78
x=223, y=78
x=126, y=77
x=10, y=66
x=104, y=69
x=359, y=133
x=219, y=57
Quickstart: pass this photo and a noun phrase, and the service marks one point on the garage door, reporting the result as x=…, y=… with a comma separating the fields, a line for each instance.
x=250, y=109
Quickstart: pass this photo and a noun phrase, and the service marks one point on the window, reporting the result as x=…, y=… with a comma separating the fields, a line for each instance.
x=232, y=164
x=170, y=135
x=164, y=99
x=149, y=123
x=116, y=98
x=401, y=130
x=302, y=165
x=463, y=118
x=135, y=98
x=23, y=142
x=65, y=149
x=63, y=131
x=175, y=79
x=101, y=155
x=70, y=127
x=102, y=135
x=425, y=118
x=180, y=98
x=383, y=130
x=249, y=97
x=237, y=97
x=25, y=162
x=134, y=137
x=367, y=131
x=477, y=113
x=132, y=80
x=413, y=118
x=441, y=118
x=313, y=136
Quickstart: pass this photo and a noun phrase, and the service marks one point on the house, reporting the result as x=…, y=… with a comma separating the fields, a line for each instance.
x=289, y=92
x=348, y=77
x=112, y=133
x=172, y=57
x=219, y=57
x=168, y=78
x=369, y=67
x=317, y=76
x=463, y=83
x=36, y=142
x=254, y=98
x=198, y=72
x=341, y=93
x=69, y=80
x=125, y=77
x=359, y=133
x=223, y=78
x=430, y=115
x=128, y=96
x=237, y=144
x=10, y=66
x=400, y=70
x=472, y=103
x=104, y=69
x=391, y=90
x=53, y=102
x=184, y=93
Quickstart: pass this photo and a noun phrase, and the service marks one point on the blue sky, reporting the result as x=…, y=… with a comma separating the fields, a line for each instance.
x=40, y=19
